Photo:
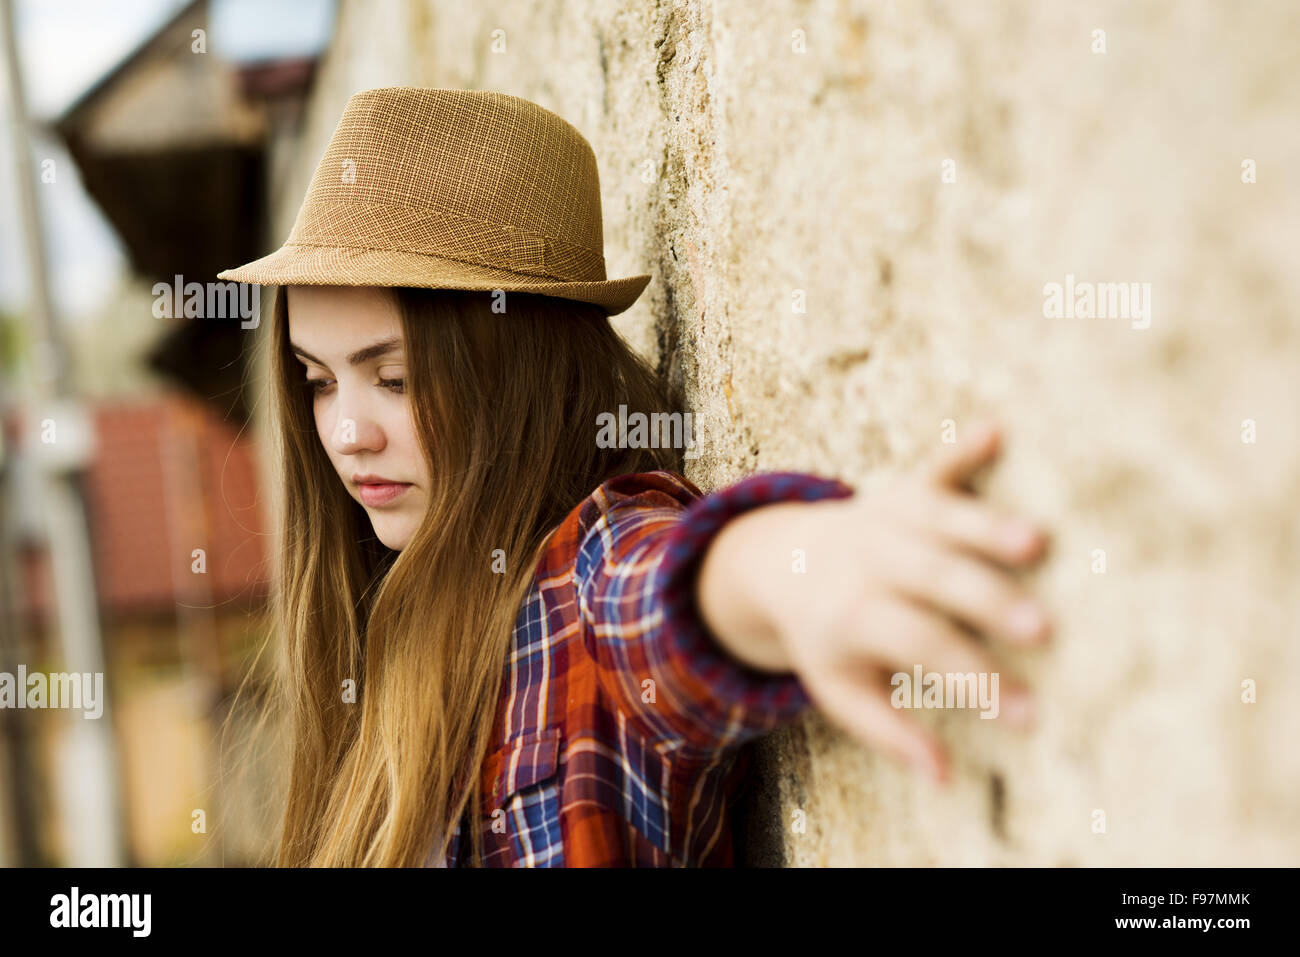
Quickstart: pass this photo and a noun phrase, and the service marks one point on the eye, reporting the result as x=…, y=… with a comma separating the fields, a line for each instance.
x=394, y=385
x=317, y=386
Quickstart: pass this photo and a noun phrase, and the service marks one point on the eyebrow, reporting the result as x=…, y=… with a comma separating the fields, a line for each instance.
x=364, y=354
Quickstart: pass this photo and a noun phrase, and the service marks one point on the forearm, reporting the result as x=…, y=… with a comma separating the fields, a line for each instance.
x=743, y=578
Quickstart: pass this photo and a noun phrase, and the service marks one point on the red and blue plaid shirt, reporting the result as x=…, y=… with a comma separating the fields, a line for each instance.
x=620, y=718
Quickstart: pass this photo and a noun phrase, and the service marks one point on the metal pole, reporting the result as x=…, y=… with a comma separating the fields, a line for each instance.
x=87, y=781
x=19, y=846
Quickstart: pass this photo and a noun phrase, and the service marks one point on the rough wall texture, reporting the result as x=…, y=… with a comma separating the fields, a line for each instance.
x=752, y=179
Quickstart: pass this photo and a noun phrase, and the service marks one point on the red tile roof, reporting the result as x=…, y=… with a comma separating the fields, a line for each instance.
x=167, y=477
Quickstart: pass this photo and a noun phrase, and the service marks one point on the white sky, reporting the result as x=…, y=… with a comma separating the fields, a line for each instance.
x=64, y=47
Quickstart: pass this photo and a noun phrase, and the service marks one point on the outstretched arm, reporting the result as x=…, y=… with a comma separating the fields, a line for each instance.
x=635, y=576
x=886, y=582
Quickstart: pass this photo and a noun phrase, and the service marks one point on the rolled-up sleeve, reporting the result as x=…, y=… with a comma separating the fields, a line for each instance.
x=635, y=576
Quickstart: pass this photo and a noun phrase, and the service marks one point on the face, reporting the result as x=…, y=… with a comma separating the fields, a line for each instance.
x=349, y=342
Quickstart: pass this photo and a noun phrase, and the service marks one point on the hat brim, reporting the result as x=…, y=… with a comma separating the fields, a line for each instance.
x=295, y=265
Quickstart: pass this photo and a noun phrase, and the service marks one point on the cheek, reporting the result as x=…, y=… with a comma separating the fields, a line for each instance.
x=324, y=428
x=403, y=435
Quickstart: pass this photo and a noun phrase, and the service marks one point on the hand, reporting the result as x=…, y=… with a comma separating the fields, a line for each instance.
x=891, y=579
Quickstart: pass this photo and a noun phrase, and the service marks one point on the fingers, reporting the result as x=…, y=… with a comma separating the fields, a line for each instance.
x=974, y=525
x=970, y=590
x=976, y=446
x=896, y=634
x=861, y=707
x=905, y=634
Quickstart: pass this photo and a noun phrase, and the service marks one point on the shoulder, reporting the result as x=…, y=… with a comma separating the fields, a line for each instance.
x=625, y=511
x=618, y=503
x=659, y=489
x=659, y=496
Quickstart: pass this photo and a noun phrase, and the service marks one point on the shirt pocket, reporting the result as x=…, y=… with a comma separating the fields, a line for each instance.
x=521, y=800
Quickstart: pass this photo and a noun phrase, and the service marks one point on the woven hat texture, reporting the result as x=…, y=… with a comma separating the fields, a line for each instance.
x=451, y=189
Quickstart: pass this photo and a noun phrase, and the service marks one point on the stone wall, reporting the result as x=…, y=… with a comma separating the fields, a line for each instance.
x=828, y=290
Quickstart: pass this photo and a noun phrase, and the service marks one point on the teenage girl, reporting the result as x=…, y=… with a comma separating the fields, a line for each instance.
x=505, y=643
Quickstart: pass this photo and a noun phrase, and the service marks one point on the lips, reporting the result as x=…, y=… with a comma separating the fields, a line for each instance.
x=376, y=490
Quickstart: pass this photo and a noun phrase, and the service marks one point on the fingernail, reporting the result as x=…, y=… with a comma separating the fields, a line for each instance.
x=937, y=774
x=1019, y=708
x=1020, y=535
x=927, y=767
x=920, y=762
x=1027, y=620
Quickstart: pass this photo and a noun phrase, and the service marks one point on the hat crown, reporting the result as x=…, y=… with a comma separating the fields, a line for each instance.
x=474, y=175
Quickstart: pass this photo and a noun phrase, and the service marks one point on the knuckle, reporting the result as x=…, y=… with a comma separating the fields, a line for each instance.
x=987, y=594
x=905, y=633
x=935, y=566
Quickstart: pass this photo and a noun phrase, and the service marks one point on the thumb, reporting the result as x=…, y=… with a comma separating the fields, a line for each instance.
x=977, y=445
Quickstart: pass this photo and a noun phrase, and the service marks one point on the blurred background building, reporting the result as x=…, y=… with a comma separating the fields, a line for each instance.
x=154, y=131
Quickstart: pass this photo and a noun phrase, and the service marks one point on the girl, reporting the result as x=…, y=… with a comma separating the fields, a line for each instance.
x=505, y=643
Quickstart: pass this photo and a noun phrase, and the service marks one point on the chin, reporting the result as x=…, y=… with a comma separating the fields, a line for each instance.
x=394, y=535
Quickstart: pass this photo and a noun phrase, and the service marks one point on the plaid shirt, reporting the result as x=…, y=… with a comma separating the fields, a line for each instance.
x=620, y=719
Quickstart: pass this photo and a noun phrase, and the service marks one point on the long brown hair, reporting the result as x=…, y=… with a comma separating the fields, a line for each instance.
x=506, y=406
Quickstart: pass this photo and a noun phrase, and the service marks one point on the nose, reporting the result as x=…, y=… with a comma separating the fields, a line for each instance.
x=355, y=429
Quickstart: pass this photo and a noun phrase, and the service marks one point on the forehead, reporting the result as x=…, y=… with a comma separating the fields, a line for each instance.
x=340, y=314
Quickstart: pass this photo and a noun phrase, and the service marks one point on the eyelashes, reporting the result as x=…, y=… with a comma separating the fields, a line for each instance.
x=318, y=386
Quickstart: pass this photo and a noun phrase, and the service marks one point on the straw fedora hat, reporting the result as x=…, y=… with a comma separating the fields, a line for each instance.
x=451, y=189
